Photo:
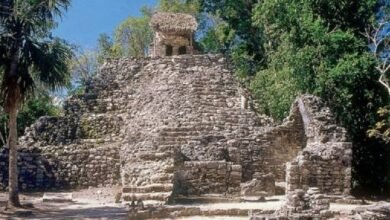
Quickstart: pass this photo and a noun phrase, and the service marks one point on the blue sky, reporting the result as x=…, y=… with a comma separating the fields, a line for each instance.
x=86, y=19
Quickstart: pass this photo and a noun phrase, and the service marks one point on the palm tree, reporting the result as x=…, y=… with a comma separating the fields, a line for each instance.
x=29, y=56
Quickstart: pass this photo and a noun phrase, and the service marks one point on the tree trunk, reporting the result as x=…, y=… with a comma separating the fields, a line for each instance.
x=11, y=107
x=13, y=200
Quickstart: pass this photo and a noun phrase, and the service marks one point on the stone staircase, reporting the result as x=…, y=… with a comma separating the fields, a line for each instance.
x=206, y=115
x=154, y=192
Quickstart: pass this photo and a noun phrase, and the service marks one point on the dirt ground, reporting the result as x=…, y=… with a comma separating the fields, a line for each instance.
x=94, y=203
x=99, y=203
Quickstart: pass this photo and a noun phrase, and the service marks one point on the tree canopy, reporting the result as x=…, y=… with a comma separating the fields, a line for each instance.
x=29, y=56
x=133, y=37
x=283, y=48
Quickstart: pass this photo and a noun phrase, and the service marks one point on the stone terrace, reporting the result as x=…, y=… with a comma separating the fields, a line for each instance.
x=181, y=126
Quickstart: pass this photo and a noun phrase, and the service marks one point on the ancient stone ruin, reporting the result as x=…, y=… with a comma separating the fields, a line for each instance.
x=173, y=34
x=168, y=128
x=175, y=127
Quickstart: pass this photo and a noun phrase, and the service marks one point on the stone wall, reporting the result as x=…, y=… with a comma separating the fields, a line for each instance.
x=64, y=167
x=269, y=151
x=76, y=150
x=179, y=125
x=301, y=204
x=176, y=43
x=325, y=162
x=326, y=166
x=186, y=110
x=208, y=177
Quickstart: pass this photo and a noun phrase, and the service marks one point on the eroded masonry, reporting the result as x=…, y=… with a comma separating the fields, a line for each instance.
x=176, y=126
x=170, y=127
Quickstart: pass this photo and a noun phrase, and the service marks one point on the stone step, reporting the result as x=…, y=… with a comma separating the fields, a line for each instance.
x=208, y=90
x=149, y=188
x=154, y=156
x=176, y=129
x=162, y=178
x=168, y=139
x=167, y=147
x=173, y=134
x=205, y=199
x=157, y=196
x=233, y=114
x=212, y=97
x=173, y=142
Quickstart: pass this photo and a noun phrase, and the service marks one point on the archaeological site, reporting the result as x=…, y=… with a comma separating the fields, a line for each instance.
x=177, y=128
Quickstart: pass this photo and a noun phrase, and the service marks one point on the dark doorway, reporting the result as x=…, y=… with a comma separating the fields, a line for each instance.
x=182, y=50
x=168, y=50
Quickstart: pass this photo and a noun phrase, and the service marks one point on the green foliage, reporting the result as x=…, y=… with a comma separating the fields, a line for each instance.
x=352, y=91
x=234, y=34
x=179, y=6
x=345, y=14
x=105, y=49
x=316, y=46
x=41, y=105
x=29, y=54
x=83, y=67
x=323, y=52
x=276, y=89
x=30, y=58
x=133, y=37
x=217, y=39
x=382, y=127
x=303, y=49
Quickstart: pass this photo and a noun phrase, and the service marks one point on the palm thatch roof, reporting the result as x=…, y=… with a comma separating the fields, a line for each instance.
x=173, y=22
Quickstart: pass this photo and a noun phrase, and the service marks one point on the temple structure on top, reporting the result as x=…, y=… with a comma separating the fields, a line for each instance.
x=173, y=34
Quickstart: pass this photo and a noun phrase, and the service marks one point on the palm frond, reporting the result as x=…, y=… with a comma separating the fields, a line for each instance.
x=50, y=63
x=27, y=48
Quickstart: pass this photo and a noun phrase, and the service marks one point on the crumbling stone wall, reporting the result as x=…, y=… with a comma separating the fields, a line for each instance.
x=78, y=149
x=206, y=177
x=312, y=204
x=273, y=148
x=326, y=166
x=62, y=167
x=52, y=131
x=301, y=204
x=186, y=110
x=260, y=186
x=326, y=161
x=177, y=125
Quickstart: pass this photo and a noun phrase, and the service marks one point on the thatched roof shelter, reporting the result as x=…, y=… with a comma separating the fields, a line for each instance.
x=173, y=22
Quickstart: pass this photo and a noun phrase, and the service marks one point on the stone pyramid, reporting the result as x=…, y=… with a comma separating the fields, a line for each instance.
x=181, y=126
